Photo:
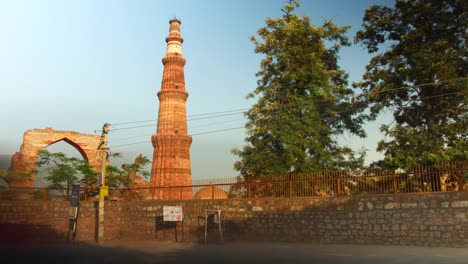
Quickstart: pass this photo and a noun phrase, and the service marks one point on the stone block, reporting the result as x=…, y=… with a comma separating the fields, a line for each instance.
x=423, y=205
x=391, y=205
x=409, y=205
x=360, y=206
x=257, y=208
x=460, y=215
x=406, y=215
x=458, y=204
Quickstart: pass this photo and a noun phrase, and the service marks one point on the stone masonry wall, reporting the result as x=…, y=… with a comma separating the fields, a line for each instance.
x=438, y=219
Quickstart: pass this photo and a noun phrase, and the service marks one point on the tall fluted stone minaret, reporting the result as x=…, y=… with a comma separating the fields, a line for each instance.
x=171, y=158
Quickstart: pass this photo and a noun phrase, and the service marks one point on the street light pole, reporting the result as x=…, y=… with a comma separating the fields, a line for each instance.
x=103, y=147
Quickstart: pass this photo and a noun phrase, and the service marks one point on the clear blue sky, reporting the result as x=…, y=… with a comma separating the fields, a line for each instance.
x=74, y=65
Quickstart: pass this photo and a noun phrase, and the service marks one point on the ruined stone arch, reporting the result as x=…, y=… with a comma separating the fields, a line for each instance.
x=24, y=161
x=73, y=144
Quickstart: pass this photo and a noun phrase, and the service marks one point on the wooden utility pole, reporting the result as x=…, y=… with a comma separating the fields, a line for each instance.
x=102, y=183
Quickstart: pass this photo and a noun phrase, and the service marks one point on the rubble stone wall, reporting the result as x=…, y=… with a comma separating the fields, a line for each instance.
x=437, y=219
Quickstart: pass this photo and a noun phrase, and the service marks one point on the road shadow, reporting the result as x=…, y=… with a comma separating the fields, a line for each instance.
x=26, y=234
x=144, y=252
x=78, y=253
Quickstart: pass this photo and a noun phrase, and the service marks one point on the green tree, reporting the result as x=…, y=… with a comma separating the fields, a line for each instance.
x=421, y=76
x=303, y=102
x=63, y=171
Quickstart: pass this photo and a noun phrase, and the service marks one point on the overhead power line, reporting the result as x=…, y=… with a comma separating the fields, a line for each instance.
x=237, y=111
x=129, y=144
x=188, y=120
x=220, y=115
x=198, y=134
x=223, y=113
x=216, y=123
x=245, y=109
x=217, y=131
x=348, y=110
x=205, y=125
x=284, y=106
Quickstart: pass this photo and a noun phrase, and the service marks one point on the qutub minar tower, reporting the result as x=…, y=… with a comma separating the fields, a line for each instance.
x=171, y=158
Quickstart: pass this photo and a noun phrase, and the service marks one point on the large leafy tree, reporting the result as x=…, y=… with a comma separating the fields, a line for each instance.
x=303, y=102
x=420, y=73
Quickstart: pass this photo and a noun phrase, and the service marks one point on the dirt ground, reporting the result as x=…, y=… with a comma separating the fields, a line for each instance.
x=171, y=252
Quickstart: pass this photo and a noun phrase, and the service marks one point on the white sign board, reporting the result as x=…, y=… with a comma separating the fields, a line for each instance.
x=172, y=213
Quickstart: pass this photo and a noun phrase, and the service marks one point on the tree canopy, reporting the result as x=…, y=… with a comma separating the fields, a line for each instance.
x=419, y=73
x=303, y=102
x=63, y=171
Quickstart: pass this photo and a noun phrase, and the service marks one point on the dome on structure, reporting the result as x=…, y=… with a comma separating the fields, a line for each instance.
x=210, y=192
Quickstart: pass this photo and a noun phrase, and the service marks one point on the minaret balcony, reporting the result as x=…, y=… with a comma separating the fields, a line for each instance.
x=174, y=38
x=175, y=58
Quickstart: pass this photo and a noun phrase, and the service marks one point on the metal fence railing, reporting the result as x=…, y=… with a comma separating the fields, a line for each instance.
x=45, y=194
x=421, y=179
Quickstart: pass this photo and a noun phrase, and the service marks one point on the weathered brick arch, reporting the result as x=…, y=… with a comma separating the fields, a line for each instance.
x=24, y=161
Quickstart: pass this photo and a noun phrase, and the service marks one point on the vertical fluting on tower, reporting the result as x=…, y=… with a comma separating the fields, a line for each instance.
x=171, y=157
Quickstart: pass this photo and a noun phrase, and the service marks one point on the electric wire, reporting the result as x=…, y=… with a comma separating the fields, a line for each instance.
x=238, y=111
x=291, y=105
x=193, y=119
x=245, y=109
x=210, y=124
x=197, y=134
x=343, y=111
x=209, y=114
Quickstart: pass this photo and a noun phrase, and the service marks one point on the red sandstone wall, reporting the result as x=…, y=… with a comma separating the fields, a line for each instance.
x=24, y=161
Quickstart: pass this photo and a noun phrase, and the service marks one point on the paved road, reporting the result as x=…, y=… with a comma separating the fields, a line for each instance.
x=242, y=253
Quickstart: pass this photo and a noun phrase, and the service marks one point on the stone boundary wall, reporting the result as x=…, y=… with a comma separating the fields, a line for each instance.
x=436, y=219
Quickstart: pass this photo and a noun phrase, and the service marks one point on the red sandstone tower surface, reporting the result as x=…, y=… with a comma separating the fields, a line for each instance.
x=171, y=158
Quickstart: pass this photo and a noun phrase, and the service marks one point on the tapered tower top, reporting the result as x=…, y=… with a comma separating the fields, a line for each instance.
x=174, y=40
x=175, y=19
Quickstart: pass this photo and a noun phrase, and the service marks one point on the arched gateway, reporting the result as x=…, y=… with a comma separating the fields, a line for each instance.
x=24, y=161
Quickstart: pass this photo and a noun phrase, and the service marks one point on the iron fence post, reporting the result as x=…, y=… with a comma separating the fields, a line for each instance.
x=290, y=189
x=338, y=186
x=460, y=180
